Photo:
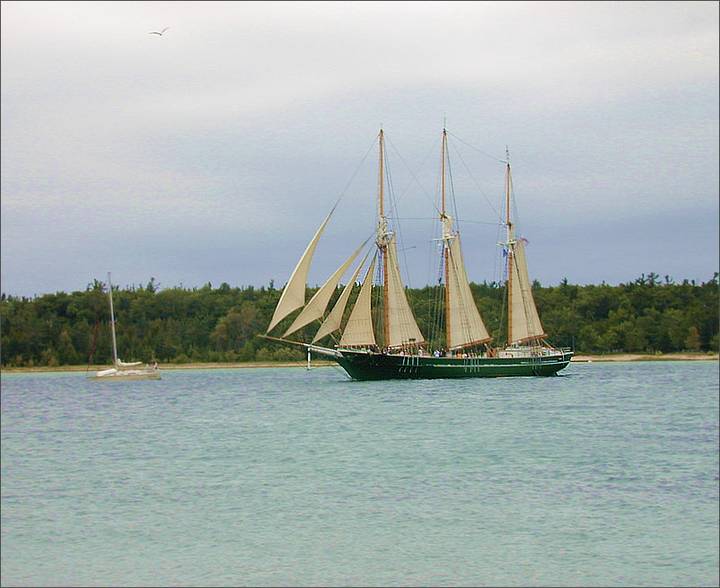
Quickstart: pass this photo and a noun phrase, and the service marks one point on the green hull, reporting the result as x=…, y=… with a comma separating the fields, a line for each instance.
x=362, y=365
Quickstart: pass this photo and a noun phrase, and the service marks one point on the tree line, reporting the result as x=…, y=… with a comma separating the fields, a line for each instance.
x=206, y=324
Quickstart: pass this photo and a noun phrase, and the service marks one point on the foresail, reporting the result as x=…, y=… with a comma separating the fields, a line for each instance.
x=525, y=320
x=334, y=319
x=465, y=327
x=318, y=303
x=402, y=328
x=293, y=296
x=359, y=328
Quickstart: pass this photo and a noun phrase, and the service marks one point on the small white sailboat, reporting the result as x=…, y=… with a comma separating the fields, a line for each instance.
x=122, y=370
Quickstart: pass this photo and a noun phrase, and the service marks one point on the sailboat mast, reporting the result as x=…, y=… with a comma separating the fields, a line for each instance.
x=112, y=322
x=382, y=238
x=445, y=241
x=510, y=250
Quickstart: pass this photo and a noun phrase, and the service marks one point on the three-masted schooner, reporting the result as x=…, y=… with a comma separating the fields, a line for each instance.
x=403, y=351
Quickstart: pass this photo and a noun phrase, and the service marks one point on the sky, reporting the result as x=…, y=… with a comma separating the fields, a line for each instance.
x=213, y=152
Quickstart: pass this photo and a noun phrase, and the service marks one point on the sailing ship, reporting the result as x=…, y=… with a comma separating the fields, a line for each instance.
x=403, y=351
x=123, y=370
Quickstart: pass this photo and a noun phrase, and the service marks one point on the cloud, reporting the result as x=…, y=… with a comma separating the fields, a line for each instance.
x=244, y=122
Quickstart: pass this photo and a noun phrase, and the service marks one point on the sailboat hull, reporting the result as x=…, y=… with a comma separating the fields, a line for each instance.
x=114, y=375
x=361, y=365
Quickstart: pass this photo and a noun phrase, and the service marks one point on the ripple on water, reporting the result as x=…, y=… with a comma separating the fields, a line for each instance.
x=605, y=476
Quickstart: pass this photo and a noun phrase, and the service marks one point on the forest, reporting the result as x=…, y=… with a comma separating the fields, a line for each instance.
x=205, y=324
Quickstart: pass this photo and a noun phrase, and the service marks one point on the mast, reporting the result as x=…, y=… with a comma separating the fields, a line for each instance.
x=510, y=250
x=464, y=326
x=445, y=241
x=523, y=321
x=112, y=322
x=382, y=241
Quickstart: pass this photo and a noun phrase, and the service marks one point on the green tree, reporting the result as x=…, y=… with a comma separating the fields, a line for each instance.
x=692, y=342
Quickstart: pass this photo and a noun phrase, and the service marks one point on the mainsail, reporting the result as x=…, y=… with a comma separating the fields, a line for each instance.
x=525, y=322
x=402, y=328
x=359, y=328
x=293, y=296
x=465, y=326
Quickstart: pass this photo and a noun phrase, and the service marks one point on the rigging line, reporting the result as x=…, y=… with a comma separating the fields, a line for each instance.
x=497, y=257
x=513, y=200
x=394, y=204
x=377, y=319
x=484, y=223
x=421, y=166
x=477, y=184
x=360, y=249
x=355, y=173
x=493, y=157
x=452, y=191
x=502, y=326
x=436, y=295
x=428, y=320
x=441, y=308
x=414, y=177
x=433, y=218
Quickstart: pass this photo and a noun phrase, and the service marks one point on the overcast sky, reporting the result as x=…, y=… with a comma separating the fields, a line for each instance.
x=213, y=152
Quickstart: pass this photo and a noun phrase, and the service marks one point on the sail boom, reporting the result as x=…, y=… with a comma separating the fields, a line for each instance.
x=471, y=344
x=530, y=339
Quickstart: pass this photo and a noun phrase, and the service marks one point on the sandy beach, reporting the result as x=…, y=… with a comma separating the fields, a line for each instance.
x=580, y=358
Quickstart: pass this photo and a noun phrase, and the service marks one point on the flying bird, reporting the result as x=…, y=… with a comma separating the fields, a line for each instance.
x=158, y=33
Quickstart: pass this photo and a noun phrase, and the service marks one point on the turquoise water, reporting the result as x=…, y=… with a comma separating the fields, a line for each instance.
x=607, y=475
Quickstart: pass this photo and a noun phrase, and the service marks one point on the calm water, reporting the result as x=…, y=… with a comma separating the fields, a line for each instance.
x=607, y=475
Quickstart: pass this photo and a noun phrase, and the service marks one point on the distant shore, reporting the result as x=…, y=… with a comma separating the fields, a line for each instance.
x=580, y=358
x=645, y=357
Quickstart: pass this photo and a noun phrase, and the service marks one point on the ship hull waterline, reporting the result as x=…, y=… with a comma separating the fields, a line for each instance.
x=378, y=366
x=368, y=365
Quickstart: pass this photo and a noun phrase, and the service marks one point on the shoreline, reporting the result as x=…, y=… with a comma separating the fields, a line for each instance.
x=588, y=358
x=580, y=358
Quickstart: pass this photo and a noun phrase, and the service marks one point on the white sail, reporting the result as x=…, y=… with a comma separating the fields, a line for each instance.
x=525, y=325
x=124, y=364
x=359, y=328
x=465, y=326
x=402, y=328
x=318, y=303
x=334, y=319
x=293, y=296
